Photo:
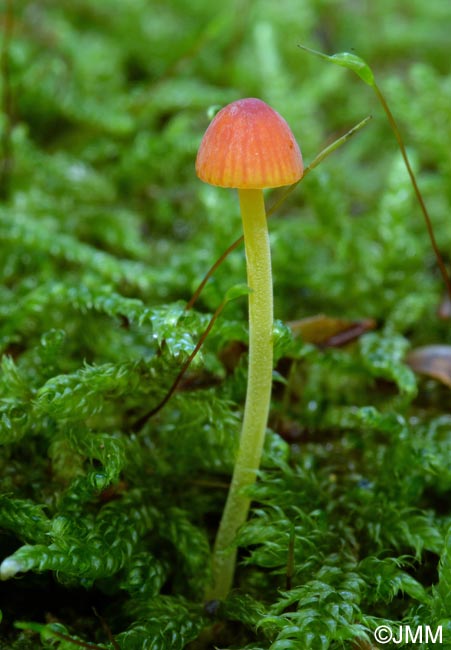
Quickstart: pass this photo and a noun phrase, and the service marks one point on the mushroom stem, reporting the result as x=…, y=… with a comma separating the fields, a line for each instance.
x=258, y=393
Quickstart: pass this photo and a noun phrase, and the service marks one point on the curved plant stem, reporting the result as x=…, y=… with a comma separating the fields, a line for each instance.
x=363, y=70
x=210, y=272
x=258, y=394
x=138, y=425
x=424, y=210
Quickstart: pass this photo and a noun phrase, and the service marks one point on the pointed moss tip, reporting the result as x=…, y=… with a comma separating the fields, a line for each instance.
x=9, y=568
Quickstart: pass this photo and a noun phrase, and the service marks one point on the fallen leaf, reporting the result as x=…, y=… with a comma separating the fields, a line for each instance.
x=330, y=332
x=432, y=360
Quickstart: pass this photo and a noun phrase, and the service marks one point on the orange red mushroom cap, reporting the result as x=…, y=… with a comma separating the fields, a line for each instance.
x=248, y=145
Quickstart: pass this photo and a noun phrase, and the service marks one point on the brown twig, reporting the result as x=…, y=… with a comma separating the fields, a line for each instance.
x=397, y=133
x=77, y=642
x=142, y=421
x=106, y=629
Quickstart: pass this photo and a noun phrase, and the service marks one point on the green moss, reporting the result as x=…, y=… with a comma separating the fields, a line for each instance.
x=105, y=232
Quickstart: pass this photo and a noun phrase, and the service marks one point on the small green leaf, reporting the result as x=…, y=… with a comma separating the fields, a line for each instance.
x=347, y=60
x=237, y=291
x=29, y=625
x=356, y=64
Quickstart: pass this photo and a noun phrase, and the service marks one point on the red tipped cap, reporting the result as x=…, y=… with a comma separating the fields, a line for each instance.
x=249, y=145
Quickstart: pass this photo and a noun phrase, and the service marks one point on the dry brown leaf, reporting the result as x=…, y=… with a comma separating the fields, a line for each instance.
x=329, y=331
x=433, y=361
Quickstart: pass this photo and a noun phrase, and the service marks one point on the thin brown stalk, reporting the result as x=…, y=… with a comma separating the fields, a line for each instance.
x=418, y=194
x=142, y=421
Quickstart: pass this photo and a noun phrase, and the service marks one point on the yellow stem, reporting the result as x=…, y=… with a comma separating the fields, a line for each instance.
x=258, y=394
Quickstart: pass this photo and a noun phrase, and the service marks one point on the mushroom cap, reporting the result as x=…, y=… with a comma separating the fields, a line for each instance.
x=248, y=145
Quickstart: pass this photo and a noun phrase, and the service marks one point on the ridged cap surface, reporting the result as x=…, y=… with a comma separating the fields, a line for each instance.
x=248, y=145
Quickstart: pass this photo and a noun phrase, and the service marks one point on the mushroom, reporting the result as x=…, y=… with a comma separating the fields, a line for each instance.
x=249, y=146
